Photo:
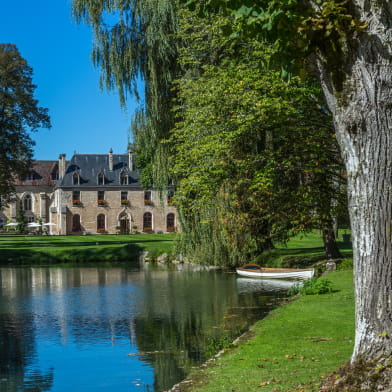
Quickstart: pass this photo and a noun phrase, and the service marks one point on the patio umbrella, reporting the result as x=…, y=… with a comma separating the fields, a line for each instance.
x=33, y=224
x=12, y=224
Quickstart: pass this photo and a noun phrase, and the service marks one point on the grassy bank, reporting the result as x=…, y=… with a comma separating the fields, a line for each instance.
x=298, y=344
x=92, y=248
x=290, y=350
x=301, y=251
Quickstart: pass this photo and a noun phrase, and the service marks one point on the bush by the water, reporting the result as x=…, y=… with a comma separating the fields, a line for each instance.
x=312, y=286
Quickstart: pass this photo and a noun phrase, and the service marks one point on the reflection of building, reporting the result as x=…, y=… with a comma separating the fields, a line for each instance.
x=91, y=193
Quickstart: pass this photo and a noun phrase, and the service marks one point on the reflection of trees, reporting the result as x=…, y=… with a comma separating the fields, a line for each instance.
x=177, y=319
x=17, y=336
x=17, y=353
x=179, y=324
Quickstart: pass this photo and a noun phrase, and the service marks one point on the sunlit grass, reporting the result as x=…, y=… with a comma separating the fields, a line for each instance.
x=293, y=348
x=91, y=248
x=301, y=251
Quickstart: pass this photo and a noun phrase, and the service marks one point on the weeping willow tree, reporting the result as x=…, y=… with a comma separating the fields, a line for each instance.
x=228, y=110
x=135, y=40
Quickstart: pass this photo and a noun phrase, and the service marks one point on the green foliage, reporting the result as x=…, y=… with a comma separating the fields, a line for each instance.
x=22, y=222
x=313, y=286
x=236, y=150
x=253, y=156
x=19, y=115
x=296, y=28
x=346, y=264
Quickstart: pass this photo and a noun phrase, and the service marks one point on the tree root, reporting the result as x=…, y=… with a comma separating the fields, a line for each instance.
x=360, y=377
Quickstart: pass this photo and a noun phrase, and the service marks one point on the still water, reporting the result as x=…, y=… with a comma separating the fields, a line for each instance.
x=139, y=328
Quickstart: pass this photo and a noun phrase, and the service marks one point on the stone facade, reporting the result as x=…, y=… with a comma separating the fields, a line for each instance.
x=91, y=193
x=34, y=194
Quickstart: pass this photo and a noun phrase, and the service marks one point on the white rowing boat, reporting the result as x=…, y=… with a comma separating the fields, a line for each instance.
x=256, y=271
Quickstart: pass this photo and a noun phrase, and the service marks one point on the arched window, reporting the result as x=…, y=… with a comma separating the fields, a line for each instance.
x=170, y=222
x=147, y=221
x=101, y=223
x=123, y=178
x=76, y=223
x=101, y=179
x=27, y=203
x=75, y=179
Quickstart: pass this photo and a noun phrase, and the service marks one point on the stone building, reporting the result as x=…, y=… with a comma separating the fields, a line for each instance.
x=34, y=194
x=91, y=193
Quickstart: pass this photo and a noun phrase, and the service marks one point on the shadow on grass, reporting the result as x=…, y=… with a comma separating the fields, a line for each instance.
x=97, y=253
x=298, y=257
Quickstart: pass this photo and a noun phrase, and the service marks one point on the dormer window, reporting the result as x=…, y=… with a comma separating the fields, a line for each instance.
x=101, y=179
x=123, y=178
x=75, y=179
x=30, y=176
x=54, y=175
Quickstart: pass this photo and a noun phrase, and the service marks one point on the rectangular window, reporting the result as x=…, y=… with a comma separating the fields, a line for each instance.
x=101, y=198
x=124, y=197
x=147, y=198
x=76, y=198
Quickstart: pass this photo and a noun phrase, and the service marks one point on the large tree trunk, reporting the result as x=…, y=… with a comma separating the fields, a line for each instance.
x=361, y=103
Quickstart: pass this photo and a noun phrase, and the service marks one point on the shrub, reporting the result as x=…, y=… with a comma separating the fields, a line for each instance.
x=311, y=287
x=346, y=264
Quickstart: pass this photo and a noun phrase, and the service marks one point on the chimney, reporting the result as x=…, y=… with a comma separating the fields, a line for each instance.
x=61, y=166
x=111, y=160
x=130, y=161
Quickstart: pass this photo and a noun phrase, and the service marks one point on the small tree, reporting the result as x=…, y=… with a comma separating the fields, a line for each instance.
x=19, y=115
x=22, y=222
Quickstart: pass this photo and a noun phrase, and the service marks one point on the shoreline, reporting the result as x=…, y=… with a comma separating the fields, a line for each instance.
x=307, y=339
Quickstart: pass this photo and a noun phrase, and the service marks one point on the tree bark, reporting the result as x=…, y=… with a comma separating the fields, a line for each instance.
x=331, y=249
x=361, y=104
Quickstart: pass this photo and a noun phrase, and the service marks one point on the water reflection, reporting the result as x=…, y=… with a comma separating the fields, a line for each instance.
x=266, y=285
x=122, y=329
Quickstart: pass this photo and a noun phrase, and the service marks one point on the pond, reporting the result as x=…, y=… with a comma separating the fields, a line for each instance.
x=123, y=329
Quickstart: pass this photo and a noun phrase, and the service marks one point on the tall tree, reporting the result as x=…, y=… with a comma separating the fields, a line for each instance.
x=254, y=156
x=347, y=45
x=19, y=115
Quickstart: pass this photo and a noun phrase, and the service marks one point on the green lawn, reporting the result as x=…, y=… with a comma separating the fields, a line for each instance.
x=292, y=349
x=298, y=344
x=301, y=251
x=90, y=248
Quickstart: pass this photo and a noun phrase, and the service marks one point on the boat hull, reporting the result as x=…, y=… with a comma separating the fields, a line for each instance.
x=253, y=271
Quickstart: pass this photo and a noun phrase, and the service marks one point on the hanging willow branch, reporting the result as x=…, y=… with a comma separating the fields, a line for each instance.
x=135, y=40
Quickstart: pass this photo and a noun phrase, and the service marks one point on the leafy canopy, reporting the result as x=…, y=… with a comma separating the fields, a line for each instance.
x=19, y=115
x=254, y=156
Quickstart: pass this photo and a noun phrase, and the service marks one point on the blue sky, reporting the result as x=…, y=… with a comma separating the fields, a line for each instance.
x=84, y=119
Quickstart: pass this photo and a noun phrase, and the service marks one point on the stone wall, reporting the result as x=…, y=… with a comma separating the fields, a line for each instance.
x=114, y=211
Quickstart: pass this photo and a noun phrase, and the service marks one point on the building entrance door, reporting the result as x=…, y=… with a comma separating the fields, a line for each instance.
x=124, y=225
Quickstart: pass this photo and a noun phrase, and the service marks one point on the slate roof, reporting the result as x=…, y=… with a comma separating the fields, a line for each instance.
x=89, y=166
x=40, y=174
